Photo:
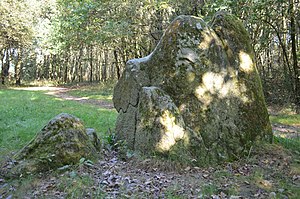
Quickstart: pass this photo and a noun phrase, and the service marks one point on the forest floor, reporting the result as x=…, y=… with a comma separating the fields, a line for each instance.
x=269, y=171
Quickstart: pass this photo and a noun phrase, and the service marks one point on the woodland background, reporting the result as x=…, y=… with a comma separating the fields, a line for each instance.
x=69, y=41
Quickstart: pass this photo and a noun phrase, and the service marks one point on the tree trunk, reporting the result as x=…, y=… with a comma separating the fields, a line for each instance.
x=91, y=63
x=117, y=64
x=296, y=68
x=66, y=68
x=79, y=64
x=46, y=67
x=6, y=65
x=18, y=67
x=2, y=64
x=54, y=69
x=104, y=67
x=282, y=45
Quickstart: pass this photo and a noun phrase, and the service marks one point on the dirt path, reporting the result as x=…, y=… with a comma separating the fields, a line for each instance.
x=280, y=130
x=62, y=92
x=285, y=131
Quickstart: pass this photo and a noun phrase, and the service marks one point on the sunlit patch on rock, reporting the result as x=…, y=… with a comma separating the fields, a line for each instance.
x=197, y=96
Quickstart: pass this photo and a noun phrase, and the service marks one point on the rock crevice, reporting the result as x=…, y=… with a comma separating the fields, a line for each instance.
x=197, y=95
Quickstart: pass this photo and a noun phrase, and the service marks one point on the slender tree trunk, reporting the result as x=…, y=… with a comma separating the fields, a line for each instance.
x=79, y=64
x=59, y=73
x=100, y=65
x=296, y=68
x=46, y=67
x=54, y=69
x=117, y=64
x=282, y=45
x=96, y=62
x=73, y=76
x=91, y=63
x=2, y=65
x=66, y=68
x=18, y=67
x=5, y=66
x=104, y=67
x=81, y=72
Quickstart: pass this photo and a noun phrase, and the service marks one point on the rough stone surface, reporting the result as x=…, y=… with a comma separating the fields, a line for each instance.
x=198, y=94
x=93, y=138
x=63, y=141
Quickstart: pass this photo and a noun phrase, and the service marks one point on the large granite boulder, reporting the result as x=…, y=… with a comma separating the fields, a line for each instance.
x=63, y=141
x=197, y=96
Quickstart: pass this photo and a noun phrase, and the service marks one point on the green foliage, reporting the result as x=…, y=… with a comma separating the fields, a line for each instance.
x=16, y=22
x=24, y=113
x=63, y=37
x=87, y=162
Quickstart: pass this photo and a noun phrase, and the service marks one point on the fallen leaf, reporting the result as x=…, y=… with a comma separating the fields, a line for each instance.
x=205, y=175
x=246, y=182
x=235, y=197
x=187, y=169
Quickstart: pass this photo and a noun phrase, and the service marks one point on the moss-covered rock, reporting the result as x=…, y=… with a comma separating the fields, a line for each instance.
x=204, y=76
x=63, y=141
x=160, y=123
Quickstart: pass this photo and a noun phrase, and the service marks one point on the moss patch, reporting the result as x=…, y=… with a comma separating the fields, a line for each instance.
x=207, y=74
x=63, y=141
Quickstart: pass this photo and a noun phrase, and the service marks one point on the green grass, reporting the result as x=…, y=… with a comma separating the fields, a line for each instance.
x=76, y=186
x=24, y=113
x=291, y=144
x=286, y=119
x=98, y=91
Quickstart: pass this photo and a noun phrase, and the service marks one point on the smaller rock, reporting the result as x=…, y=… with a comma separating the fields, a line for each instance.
x=235, y=197
x=280, y=190
x=93, y=138
x=63, y=141
x=272, y=195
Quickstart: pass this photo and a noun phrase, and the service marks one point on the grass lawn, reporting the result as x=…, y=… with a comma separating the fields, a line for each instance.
x=94, y=91
x=24, y=113
x=290, y=121
x=286, y=119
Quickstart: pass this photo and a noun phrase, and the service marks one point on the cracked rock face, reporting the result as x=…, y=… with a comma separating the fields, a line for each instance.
x=197, y=96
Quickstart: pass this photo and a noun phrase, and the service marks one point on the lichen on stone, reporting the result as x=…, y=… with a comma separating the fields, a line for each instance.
x=198, y=94
x=63, y=141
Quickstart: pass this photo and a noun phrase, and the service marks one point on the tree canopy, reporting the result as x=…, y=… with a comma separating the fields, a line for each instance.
x=88, y=40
